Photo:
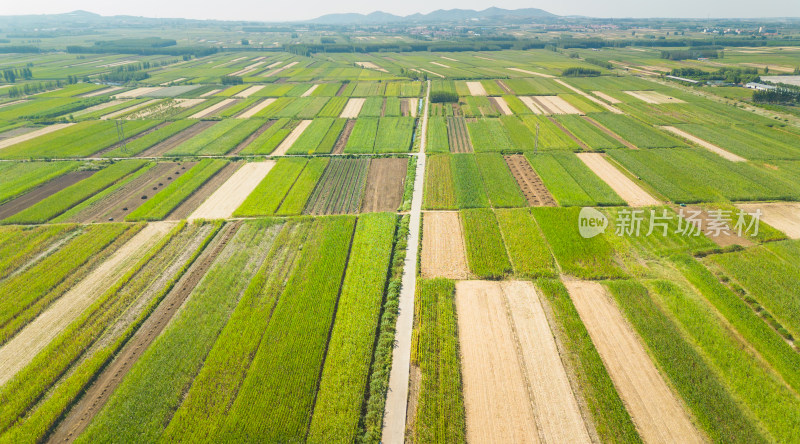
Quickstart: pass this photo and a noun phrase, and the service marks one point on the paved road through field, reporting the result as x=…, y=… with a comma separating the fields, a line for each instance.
x=394, y=425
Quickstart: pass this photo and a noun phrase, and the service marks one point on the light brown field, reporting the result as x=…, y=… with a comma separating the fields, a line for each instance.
x=413, y=105
x=252, y=111
x=279, y=70
x=498, y=406
x=138, y=92
x=556, y=105
x=503, y=105
x=233, y=192
x=99, y=107
x=476, y=89
x=128, y=109
x=210, y=93
x=247, y=69
x=723, y=237
x=33, y=134
x=443, y=253
x=250, y=91
x=657, y=413
x=707, y=145
x=431, y=72
x=533, y=73
x=212, y=109
x=449, y=58
x=370, y=65
x=23, y=347
x=291, y=138
x=440, y=64
x=179, y=79
x=784, y=216
x=606, y=97
x=309, y=91
x=533, y=106
x=631, y=193
x=353, y=108
x=594, y=99
x=653, y=97
x=102, y=91
x=555, y=405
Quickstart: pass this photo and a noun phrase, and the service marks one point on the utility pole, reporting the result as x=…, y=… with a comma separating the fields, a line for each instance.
x=121, y=135
x=536, y=142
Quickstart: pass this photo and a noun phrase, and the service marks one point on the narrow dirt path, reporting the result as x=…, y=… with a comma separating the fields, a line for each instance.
x=96, y=396
x=394, y=427
x=656, y=411
x=705, y=144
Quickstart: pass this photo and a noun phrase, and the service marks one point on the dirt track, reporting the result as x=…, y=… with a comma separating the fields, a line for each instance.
x=496, y=399
x=784, y=216
x=201, y=194
x=707, y=145
x=538, y=74
x=532, y=105
x=606, y=97
x=569, y=133
x=384, y=191
x=103, y=387
x=40, y=193
x=24, y=346
x=233, y=192
x=653, y=97
x=529, y=182
x=171, y=142
x=443, y=251
x=631, y=193
x=656, y=411
x=341, y=142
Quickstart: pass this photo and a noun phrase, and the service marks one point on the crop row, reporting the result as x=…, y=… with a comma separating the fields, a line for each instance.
x=268, y=196
x=570, y=182
x=219, y=138
x=166, y=200
x=18, y=178
x=65, y=199
x=341, y=187
x=267, y=141
x=486, y=251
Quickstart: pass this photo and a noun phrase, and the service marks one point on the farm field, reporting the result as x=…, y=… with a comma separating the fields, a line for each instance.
x=499, y=229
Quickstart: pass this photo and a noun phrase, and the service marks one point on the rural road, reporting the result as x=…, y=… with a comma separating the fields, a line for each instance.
x=394, y=425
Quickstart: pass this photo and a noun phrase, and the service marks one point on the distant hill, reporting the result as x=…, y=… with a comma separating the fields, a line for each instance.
x=439, y=16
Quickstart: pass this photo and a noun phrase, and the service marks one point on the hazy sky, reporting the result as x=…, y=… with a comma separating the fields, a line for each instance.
x=300, y=10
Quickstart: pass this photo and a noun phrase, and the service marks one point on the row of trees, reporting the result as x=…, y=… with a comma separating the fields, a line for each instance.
x=11, y=75
x=782, y=96
x=726, y=74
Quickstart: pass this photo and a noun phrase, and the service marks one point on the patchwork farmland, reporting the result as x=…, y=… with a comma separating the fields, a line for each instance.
x=323, y=234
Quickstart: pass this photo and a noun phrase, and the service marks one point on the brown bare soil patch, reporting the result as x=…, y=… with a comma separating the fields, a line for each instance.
x=476, y=89
x=723, y=238
x=352, y=108
x=656, y=411
x=233, y=192
x=443, y=253
x=128, y=197
x=653, y=97
x=631, y=193
x=503, y=85
x=533, y=73
x=100, y=391
x=251, y=138
x=341, y=142
x=556, y=105
x=404, y=107
x=784, y=216
x=40, y=193
x=23, y=347
x=529, y=182
x=170, y=143
x=610, y=133
x=555, y=405
x=131, y=139
x=606, y=97
x=501, y=105
x=496, y=398
x=533, y=105
x=457, y=135
x=201, y=194
x=385, y=180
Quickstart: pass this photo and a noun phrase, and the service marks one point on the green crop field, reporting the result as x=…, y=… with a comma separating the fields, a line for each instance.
x=171, y=272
